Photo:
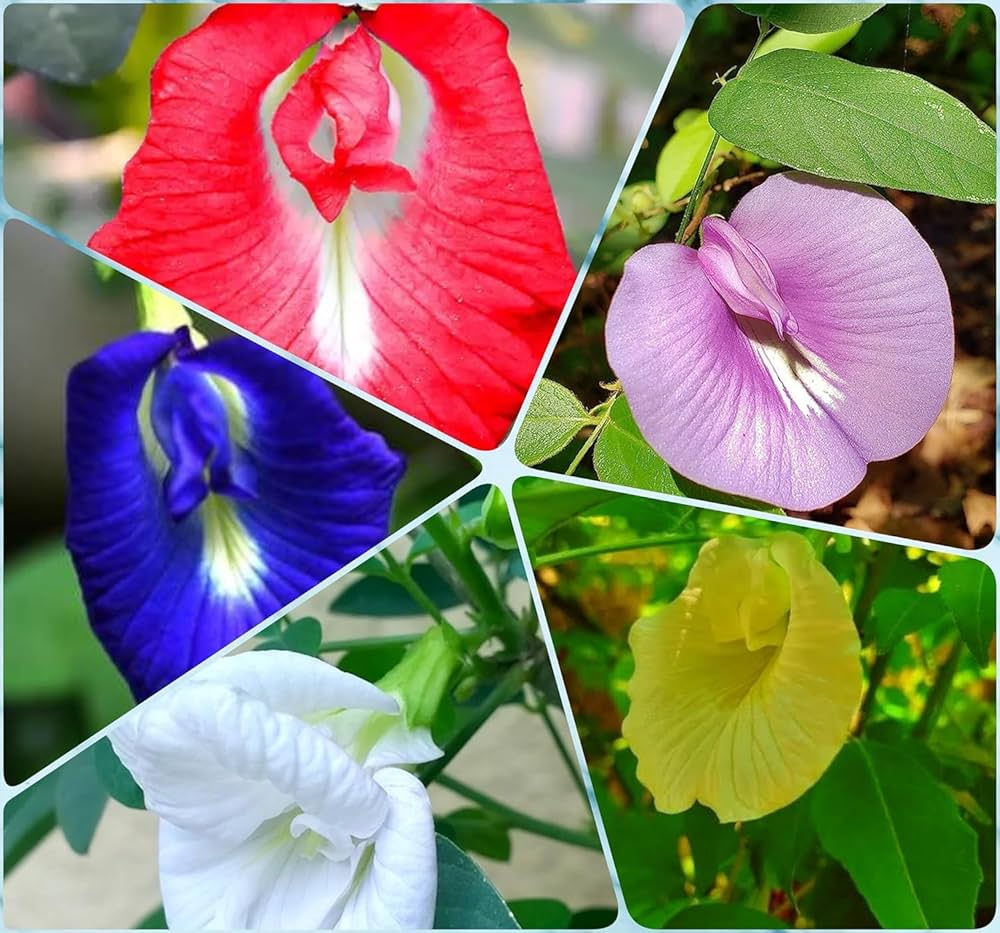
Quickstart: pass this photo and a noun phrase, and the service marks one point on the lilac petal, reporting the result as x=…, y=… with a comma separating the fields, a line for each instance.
x=709, y=396
x=171, y=573
x=794, y=421
x=870, y=299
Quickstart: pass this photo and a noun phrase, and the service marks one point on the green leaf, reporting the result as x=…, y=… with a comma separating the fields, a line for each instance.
x=593, y=918
x=74, y=43
x=80, y=800
x=684, y=154
x=900, y=836
x=28, y=818
x=969, y=589
x=712, y=845
x=622, y=456
x=811, y=17
x=466, y=898
x=376, y=596
x=723, y=916
x=554, y=417
x=846, y=121
x=543, y=505
x=116, y=778
x=303, y=636
x=825, y=42
x=475, y=830
x=496, y=526
x=898, y=612
x=155, y=920
x=785, y=837
x=541, y=913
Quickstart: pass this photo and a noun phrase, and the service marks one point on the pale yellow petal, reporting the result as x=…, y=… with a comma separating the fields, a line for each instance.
x=745, y=685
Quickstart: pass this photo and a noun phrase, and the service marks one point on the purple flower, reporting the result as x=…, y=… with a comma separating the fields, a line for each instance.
x=208, y=488
x=808, y=336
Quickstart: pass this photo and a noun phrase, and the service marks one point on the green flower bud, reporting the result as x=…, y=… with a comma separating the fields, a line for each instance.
x=421, y=679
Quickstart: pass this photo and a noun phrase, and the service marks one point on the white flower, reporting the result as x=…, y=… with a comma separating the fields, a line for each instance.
x=281, y=803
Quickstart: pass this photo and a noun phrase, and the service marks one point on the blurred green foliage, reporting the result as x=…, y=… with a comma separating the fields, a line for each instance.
x=603, y=559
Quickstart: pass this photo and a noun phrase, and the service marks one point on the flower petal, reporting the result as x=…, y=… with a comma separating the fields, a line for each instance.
x=744, y=730
x=444, y=309
x=869, y=297
x=163, y=594
x=399, y=888
x=793, y=422
x=214, y=761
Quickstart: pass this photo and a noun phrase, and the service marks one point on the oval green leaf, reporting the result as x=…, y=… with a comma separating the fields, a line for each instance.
x=811, y=17
x=851, y=122
x=554, y=417
x=682, y=157
x=897, y=612
x=900, y=836
x=622, y=456
x=466, y=898
x=825, y=42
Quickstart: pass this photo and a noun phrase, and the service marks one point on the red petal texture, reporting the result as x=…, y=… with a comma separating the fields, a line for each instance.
x=457, y=293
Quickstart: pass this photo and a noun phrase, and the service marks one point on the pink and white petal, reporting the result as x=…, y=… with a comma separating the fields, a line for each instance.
x=213, y=760
x=870, y=300
x=399, y=889
x=722, y=402
x=201, y=212
x=268, y=882
x=466, y=284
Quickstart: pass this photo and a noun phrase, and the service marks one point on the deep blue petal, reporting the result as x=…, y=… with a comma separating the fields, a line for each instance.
x=186, y=539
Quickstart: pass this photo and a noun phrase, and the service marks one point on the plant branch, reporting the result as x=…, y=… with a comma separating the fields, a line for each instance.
x=935, y=699
x=506, y=689
x=599, y=426
x=569, y=760
x=591, y=550
x=518, y=820
x=404, y=578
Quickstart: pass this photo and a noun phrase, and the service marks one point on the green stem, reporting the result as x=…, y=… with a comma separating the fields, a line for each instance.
x=875, y=674
x=348, y=644
x=518, y=820
x=699, y=185
x=506, y=689
x=599, y=426
x=404, y=578
x=570, y=761
x=559, y=557
x=493, y=612
x=935, y=699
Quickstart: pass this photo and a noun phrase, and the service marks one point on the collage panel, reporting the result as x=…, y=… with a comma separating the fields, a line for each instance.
x=381, y=192
x=784, y=726
x=168, y=486
x=391, y=754
x=793, y=305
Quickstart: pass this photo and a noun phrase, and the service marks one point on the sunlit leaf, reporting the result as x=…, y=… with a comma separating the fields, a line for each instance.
x=970, y=591
x=684, y=154
x=841, y=120
x=826, y=42
x=554, y=418
x=811, y=17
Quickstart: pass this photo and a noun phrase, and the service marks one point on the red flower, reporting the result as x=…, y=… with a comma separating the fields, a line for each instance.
x=436, y=286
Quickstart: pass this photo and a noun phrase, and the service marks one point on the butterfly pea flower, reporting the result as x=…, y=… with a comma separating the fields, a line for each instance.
x=391, y=222
x=208, y=488
x=284, y=800
x=808, y=335
x=746, y=684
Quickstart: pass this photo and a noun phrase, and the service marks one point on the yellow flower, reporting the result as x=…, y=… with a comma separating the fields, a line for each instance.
x=745, y=685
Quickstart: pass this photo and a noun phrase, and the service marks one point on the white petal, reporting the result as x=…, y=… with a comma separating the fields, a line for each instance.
x=289, y=682
x=214, y=760
x=400, y=745
x=265, y=882
x=399, y=887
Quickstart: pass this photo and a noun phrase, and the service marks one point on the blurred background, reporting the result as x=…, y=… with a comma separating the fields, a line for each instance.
x=512, y=758
x=589, y=74
x=944, y=490
x=59, y=686
x=602, y=560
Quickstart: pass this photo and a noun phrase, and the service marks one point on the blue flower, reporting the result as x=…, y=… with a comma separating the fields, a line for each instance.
x=207, y=489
